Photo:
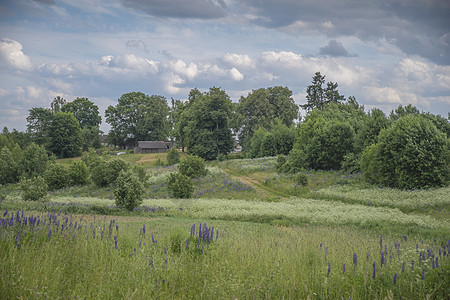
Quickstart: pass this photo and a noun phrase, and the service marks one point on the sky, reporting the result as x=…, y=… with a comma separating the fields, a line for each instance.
x=386, y=53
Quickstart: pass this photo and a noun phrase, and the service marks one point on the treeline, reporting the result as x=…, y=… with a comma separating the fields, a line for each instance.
x=406, y=149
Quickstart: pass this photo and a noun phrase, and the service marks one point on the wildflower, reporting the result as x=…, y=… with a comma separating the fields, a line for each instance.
x=412, y=265
x=395, y=278
x=151, y=263
x=343, y=269
x=355, y=260
x=404, y=237
x=423, y=274
x=329, y=270
x=374, y=270
x=49, y=234
x=381, y=240
x=143, y=229
x=403, y=267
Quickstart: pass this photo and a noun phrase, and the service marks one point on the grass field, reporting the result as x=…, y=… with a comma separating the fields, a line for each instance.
x=261, y=236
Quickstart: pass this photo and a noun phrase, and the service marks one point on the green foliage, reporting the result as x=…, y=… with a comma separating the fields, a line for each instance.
x=301, y=179
x=34, y=160
x=38, y=127
x=351, y=163
x=33, y=189
x=180, y=185
x=128, y=190
x=281, y=161
x=91, y=159
x=173, y=157
x=410, y=154
x=9, y=168
x=85, y=111
x=56, y=176
x=65, y=135
x=296, y=161
x=141, y=174
x=105, y=172
x=78, y=173
x=261, y=108
x=193, y=166
x=158, y=162
x=141, y=116
x=177, y=240
x=318, y=97
x=277, y=139
x=207, y=131
x=368, y=134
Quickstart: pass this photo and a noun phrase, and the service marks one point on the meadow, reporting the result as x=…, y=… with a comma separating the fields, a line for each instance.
x=247, y=233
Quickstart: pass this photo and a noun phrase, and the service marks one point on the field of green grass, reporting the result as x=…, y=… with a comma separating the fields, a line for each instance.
x=261, y=236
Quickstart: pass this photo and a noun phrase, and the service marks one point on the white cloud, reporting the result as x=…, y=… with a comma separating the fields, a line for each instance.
x=236, y=75
x=180, y=67
x=240, y=60
x=11, y=52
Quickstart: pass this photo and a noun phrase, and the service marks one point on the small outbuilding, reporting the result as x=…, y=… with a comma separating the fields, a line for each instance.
x=152, y=147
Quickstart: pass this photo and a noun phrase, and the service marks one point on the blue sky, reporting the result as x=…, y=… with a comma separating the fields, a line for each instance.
x=385, y=53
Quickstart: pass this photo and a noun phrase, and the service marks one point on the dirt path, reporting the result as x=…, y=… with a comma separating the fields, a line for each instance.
x=261, y=190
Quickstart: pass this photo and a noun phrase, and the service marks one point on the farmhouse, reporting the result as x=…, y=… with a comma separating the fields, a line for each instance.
x=152, y=147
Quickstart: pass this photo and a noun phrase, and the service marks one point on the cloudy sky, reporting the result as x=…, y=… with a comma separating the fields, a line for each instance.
x=383, y=52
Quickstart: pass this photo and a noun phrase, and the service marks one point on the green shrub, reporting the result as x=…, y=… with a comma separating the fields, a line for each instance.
x=91, y=159
x=281, y=161
x=180, y=185
x=410, y=154
x=33, y=189
x=221, y=157
x=193, y=166
x=295, y=162
x=173, y=157
x=158, y=163
x=34, y=160
x=350, y=164
x=177, y=240
x=78, y=173
x=141, y=174
x=98, y=174
x=128, y=190
x=301, y=179
x=56, y=176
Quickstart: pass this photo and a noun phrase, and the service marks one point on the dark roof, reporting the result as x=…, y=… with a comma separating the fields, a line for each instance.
x=153, y=145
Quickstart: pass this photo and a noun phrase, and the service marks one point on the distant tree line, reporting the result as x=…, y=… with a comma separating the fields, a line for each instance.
x=407, y=149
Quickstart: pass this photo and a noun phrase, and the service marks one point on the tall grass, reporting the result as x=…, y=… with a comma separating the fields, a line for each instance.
x=108, y=258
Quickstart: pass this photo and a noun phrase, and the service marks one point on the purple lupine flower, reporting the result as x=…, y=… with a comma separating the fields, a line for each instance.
x=153, y=240
x=368, y=255
x=200, y=230
x=135, y=252
x=143, y=229
x=395, y=278
x=412, y=265
x=115, y=242
x=18, y=240
x=355, y=259
x=432, y=262
x=404, y=237
x=423, y=274
x=329, y=270
x=49, y=234
x=374, y=270
x=165, y=250
x=382, y=259
x=437, y=264
x=343, y=269
x=187, y=244
x=217, y=234
x=193, y=230
x=381, y=241
x=201, y=250
x=403, y=267
x=5, y=213
x=151, y=263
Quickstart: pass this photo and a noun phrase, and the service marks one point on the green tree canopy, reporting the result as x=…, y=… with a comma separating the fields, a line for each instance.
x=39, y=120
x=65, y=135
x=260, y=108
x=319, y=97
x=85, y=111
x=207, y=131
x=138, y=117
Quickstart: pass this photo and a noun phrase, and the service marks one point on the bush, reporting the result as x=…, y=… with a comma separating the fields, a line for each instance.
x=91, y=159
x=98, y=174
x=78, y=173
x=350, y=164
x=56, y=176
x=34, y=160
x=295, y=162
x=281, y=161
x=301, y=179
x=180, y=185
x=410, y=154
x=173, y=157
x=193, y=166
x=141, y=174
x=158, y=163
x=128, y=191
x=33, y=189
